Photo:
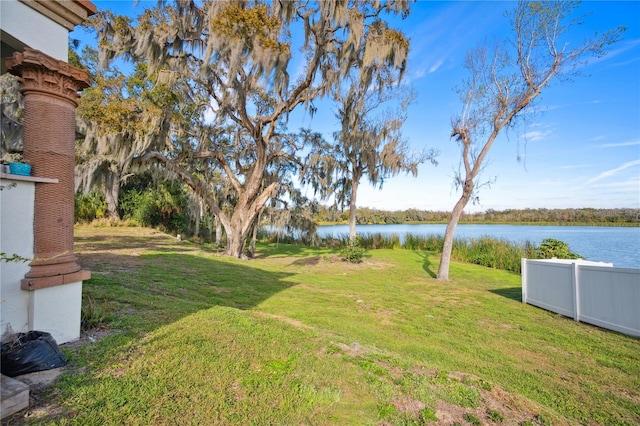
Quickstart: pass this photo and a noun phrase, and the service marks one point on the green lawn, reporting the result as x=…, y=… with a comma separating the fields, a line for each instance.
x=296, y=336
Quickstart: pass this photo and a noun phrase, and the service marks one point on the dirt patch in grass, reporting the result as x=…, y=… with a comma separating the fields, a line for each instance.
x=116, y=250
x=352, y=350
x=108, y=262
x=395, y=372
x=107, y=252
x=406, y=404
x=494, y=405
x=88, y=337
x=308, y=261
x=337, y=261
x=449, y=414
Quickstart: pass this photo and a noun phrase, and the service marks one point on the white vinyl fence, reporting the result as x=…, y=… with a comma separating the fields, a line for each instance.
x=592, y=292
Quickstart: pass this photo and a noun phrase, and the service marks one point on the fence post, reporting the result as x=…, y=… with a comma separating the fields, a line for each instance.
x=575, y=277
x=523, y=272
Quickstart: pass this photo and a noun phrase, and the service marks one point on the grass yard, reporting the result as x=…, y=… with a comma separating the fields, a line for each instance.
x=297, y=336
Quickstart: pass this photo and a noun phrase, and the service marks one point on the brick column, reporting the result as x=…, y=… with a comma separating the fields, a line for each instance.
x=50, y=88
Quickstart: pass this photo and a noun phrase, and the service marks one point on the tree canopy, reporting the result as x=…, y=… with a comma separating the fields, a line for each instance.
x=11, y=111
x=120, y=117
x=232, y=64
x=369, y=143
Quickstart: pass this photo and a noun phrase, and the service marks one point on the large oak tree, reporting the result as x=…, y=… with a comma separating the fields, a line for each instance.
x=237, y=59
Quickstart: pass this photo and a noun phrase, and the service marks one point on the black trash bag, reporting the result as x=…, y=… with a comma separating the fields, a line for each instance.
x=31, y=352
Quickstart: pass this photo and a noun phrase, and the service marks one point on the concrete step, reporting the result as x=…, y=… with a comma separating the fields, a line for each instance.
x=15, y=396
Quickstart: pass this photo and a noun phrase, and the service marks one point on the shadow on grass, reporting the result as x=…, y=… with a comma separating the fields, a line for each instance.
x=513, y=293
x=291, y=250
x=149, y=280
x=160, y=284
x=156, y=242
x=169, y=286
x=428, y=266
x=153, y=280
x=307, y=261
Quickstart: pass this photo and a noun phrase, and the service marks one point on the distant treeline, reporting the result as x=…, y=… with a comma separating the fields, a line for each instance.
x=585, y=216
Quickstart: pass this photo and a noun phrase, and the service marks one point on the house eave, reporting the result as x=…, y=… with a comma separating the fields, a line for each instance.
x=64, y=12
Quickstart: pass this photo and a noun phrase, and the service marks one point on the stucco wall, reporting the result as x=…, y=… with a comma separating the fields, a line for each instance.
x=34, y=29
x=16, y=237
x=56, y=309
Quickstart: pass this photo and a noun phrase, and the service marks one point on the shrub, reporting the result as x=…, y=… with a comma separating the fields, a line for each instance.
x=431, y=242
x=492, y=253
x=352, y=252
x=550, y=248
x=165, y=207
x=89, y=207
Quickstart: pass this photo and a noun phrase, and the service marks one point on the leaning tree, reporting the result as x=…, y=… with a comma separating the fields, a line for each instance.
x=504, y=82
x=237, y=58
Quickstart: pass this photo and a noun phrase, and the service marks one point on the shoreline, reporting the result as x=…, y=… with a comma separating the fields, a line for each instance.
x=594, y=224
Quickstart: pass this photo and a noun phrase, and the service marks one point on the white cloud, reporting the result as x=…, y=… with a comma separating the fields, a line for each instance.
x=612, y=172
x=437, y=65
x=574, y=166
x=536, y=135
x=629, y=185
x=571, y=105
x=623, y=48
x=616, y=145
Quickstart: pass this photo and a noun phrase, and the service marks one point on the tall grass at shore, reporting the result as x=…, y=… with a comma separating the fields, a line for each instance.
x=494, y=253
x=484, y=251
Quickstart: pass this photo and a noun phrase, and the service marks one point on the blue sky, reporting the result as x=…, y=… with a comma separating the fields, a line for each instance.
x=581, y=150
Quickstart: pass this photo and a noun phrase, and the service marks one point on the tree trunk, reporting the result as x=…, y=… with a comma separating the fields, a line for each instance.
x=254, y=235
x=445, y=258
x=111, y=193
x=235, y=244
x=352, y=210
x=238, y=228
x=251, y=200
x=218, y=232
x=199, y=218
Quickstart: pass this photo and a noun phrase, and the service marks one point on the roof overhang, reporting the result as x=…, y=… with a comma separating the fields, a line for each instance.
x=64, y=12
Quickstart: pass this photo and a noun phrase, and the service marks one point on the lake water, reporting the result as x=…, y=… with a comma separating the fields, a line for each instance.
x=619, y=245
